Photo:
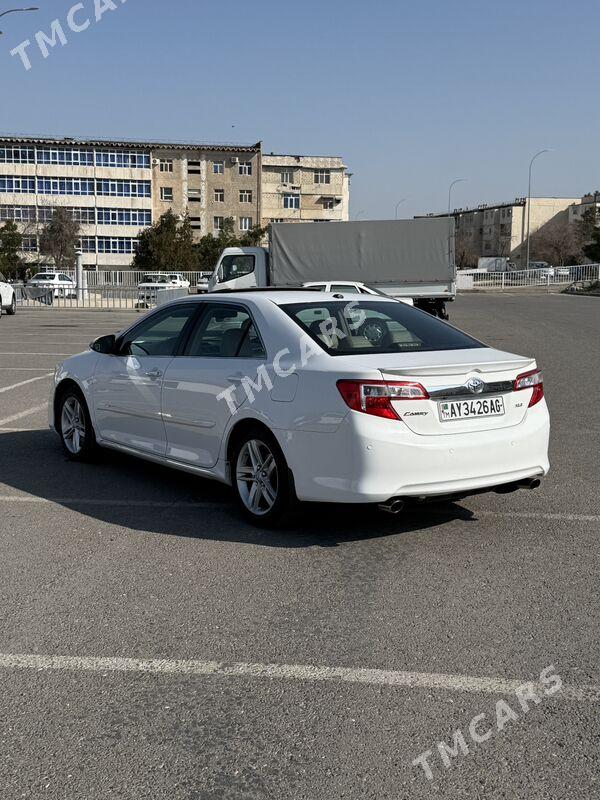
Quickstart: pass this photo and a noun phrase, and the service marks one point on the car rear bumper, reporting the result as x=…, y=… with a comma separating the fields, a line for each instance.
x=370, y=460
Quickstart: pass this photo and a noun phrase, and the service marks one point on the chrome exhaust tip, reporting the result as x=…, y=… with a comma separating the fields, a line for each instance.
x=392, y=506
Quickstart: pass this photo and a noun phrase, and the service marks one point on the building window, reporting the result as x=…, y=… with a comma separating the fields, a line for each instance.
x=74, y=186
x=287, y=176
x=245, y=168
x=277, y=219
x=17, y=155
x=219, y=195
x=218, y=223
x=322, y=176
x=166, y=165
x=328, y=203
x=116, y=245
x=122, y=158
x=291, y=201
x=87, y=244
x=218, y=167
x=114, y=188
x=17, y=213
x=84, y=216
x=139, y=218
x=29, y=244
x=245, y=223
x=166, y=194
x=66, y=157
x=245, y=196
x=10, y=185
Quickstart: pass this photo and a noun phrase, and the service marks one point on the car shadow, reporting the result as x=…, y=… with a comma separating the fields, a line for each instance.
x=128, y=492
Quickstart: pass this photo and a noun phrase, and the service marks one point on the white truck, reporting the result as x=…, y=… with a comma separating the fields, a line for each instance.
x=401, y=258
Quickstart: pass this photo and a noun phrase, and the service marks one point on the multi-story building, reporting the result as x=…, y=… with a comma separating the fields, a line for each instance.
x=588, y=201
x=501, y=229
x=304, y=189
x=115, y=189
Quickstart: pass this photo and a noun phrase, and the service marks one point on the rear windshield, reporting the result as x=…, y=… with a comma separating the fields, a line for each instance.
x=372, y=326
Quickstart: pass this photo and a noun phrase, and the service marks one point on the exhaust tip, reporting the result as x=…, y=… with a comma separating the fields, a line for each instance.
x=535, y=483
x=393, y=506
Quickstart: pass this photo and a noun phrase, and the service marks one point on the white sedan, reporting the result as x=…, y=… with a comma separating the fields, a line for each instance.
x=290, y=395
x=8, y=299
x=352, y=287
x=61, y=284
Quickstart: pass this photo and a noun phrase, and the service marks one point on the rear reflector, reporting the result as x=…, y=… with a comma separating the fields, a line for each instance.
x=375, y=397
x=531, y=380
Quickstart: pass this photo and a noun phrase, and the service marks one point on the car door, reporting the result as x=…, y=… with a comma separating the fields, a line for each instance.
x=224, y=346
x=127, y=386
x=5, y=292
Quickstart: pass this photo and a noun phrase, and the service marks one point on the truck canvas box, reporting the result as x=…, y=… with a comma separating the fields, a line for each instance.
x=402, y=258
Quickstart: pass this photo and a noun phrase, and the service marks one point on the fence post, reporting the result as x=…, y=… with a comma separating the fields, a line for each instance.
x=503, y=280
x=79, y=277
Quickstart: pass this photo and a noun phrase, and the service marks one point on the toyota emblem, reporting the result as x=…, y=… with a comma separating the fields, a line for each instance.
x=475, y=385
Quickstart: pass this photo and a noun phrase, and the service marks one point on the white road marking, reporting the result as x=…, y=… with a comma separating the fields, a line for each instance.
x=23, y=353
x=295, y=672
x=22, y=414
x=24, y=383
x=24, y=369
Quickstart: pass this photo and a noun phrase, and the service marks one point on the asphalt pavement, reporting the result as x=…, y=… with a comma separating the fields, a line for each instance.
x=152, y=645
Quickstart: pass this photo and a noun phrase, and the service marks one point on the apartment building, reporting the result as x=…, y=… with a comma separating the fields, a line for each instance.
x=115, y=189
x=304, y=189
x=501, y=229
x=576, y=211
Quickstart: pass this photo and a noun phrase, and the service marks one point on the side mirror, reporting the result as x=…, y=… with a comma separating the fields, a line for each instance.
x=105, y=344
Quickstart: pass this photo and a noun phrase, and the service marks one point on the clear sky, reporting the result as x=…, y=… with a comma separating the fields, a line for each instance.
x=412, y=95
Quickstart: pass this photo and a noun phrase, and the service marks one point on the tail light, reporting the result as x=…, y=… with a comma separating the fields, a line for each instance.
x=531, y=380
x=375, y=397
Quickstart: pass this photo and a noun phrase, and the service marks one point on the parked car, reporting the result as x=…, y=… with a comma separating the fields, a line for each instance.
x=202, y=285
x=352, y=287
x=61, y=283
x=151, y=283
x=8, y=298
x=290, y=395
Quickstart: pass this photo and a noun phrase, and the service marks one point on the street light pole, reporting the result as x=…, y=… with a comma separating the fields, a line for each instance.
x=454, y=182
x=15, y=10
x=398, y=204
x=358, y=213
x=529, y=202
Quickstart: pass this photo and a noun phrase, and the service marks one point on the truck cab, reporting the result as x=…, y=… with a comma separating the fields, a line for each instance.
x=240, y=268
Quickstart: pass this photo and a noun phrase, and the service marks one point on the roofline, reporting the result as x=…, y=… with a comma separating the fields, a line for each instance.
x=518, y=201
x=129, y=143
x=297, y=155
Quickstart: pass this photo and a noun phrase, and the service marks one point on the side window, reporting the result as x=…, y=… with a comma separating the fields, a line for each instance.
x=347, y=288
x=158, y=335
x=2, y=278
x=235, y=267
x=63, y=277
x=225, y=331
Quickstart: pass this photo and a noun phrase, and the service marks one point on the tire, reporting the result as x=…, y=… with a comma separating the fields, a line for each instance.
x=12, y=308
x=75, y=427
x=260, y=478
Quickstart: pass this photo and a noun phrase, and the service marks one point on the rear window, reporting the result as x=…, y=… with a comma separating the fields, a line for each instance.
x=372, y=326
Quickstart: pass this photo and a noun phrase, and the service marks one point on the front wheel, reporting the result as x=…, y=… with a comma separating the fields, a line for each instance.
x=260, y=478
x=12, y=309
x=75, y=427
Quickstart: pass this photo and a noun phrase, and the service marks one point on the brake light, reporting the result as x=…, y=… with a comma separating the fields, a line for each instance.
x=531, y=380
x=375, y=397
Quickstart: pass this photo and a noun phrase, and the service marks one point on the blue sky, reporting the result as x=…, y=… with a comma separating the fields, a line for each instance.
x=412, y=95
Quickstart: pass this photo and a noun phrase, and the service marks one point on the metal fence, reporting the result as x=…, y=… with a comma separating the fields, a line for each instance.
x=550, y=276
x=131, y=278
x=105, y=297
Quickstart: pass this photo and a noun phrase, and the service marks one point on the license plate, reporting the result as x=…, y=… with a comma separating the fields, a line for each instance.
x=467, y=409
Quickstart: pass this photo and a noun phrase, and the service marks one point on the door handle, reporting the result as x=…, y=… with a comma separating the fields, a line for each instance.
x=154, y=373
x=237, y=378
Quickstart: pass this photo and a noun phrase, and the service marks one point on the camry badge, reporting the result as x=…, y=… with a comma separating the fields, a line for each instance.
x=475, y=385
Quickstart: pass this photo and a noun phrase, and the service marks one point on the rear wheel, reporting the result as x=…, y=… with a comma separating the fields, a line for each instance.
x=260, y=478
x=75, y=426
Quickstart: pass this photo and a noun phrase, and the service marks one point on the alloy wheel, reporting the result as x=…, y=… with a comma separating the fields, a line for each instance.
x=257, y=477
x=72, y=425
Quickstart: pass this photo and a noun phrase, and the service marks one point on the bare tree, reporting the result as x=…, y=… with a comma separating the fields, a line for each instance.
x=465, y=252
x=557, y=242
x=59, y=239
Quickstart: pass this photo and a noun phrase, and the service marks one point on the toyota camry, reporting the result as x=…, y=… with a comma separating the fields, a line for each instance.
x=298, y=395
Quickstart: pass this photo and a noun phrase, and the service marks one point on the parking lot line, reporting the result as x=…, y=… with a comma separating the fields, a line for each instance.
x=27, y=353
x=22, y=414
x=24, y=383
x=292, y=672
